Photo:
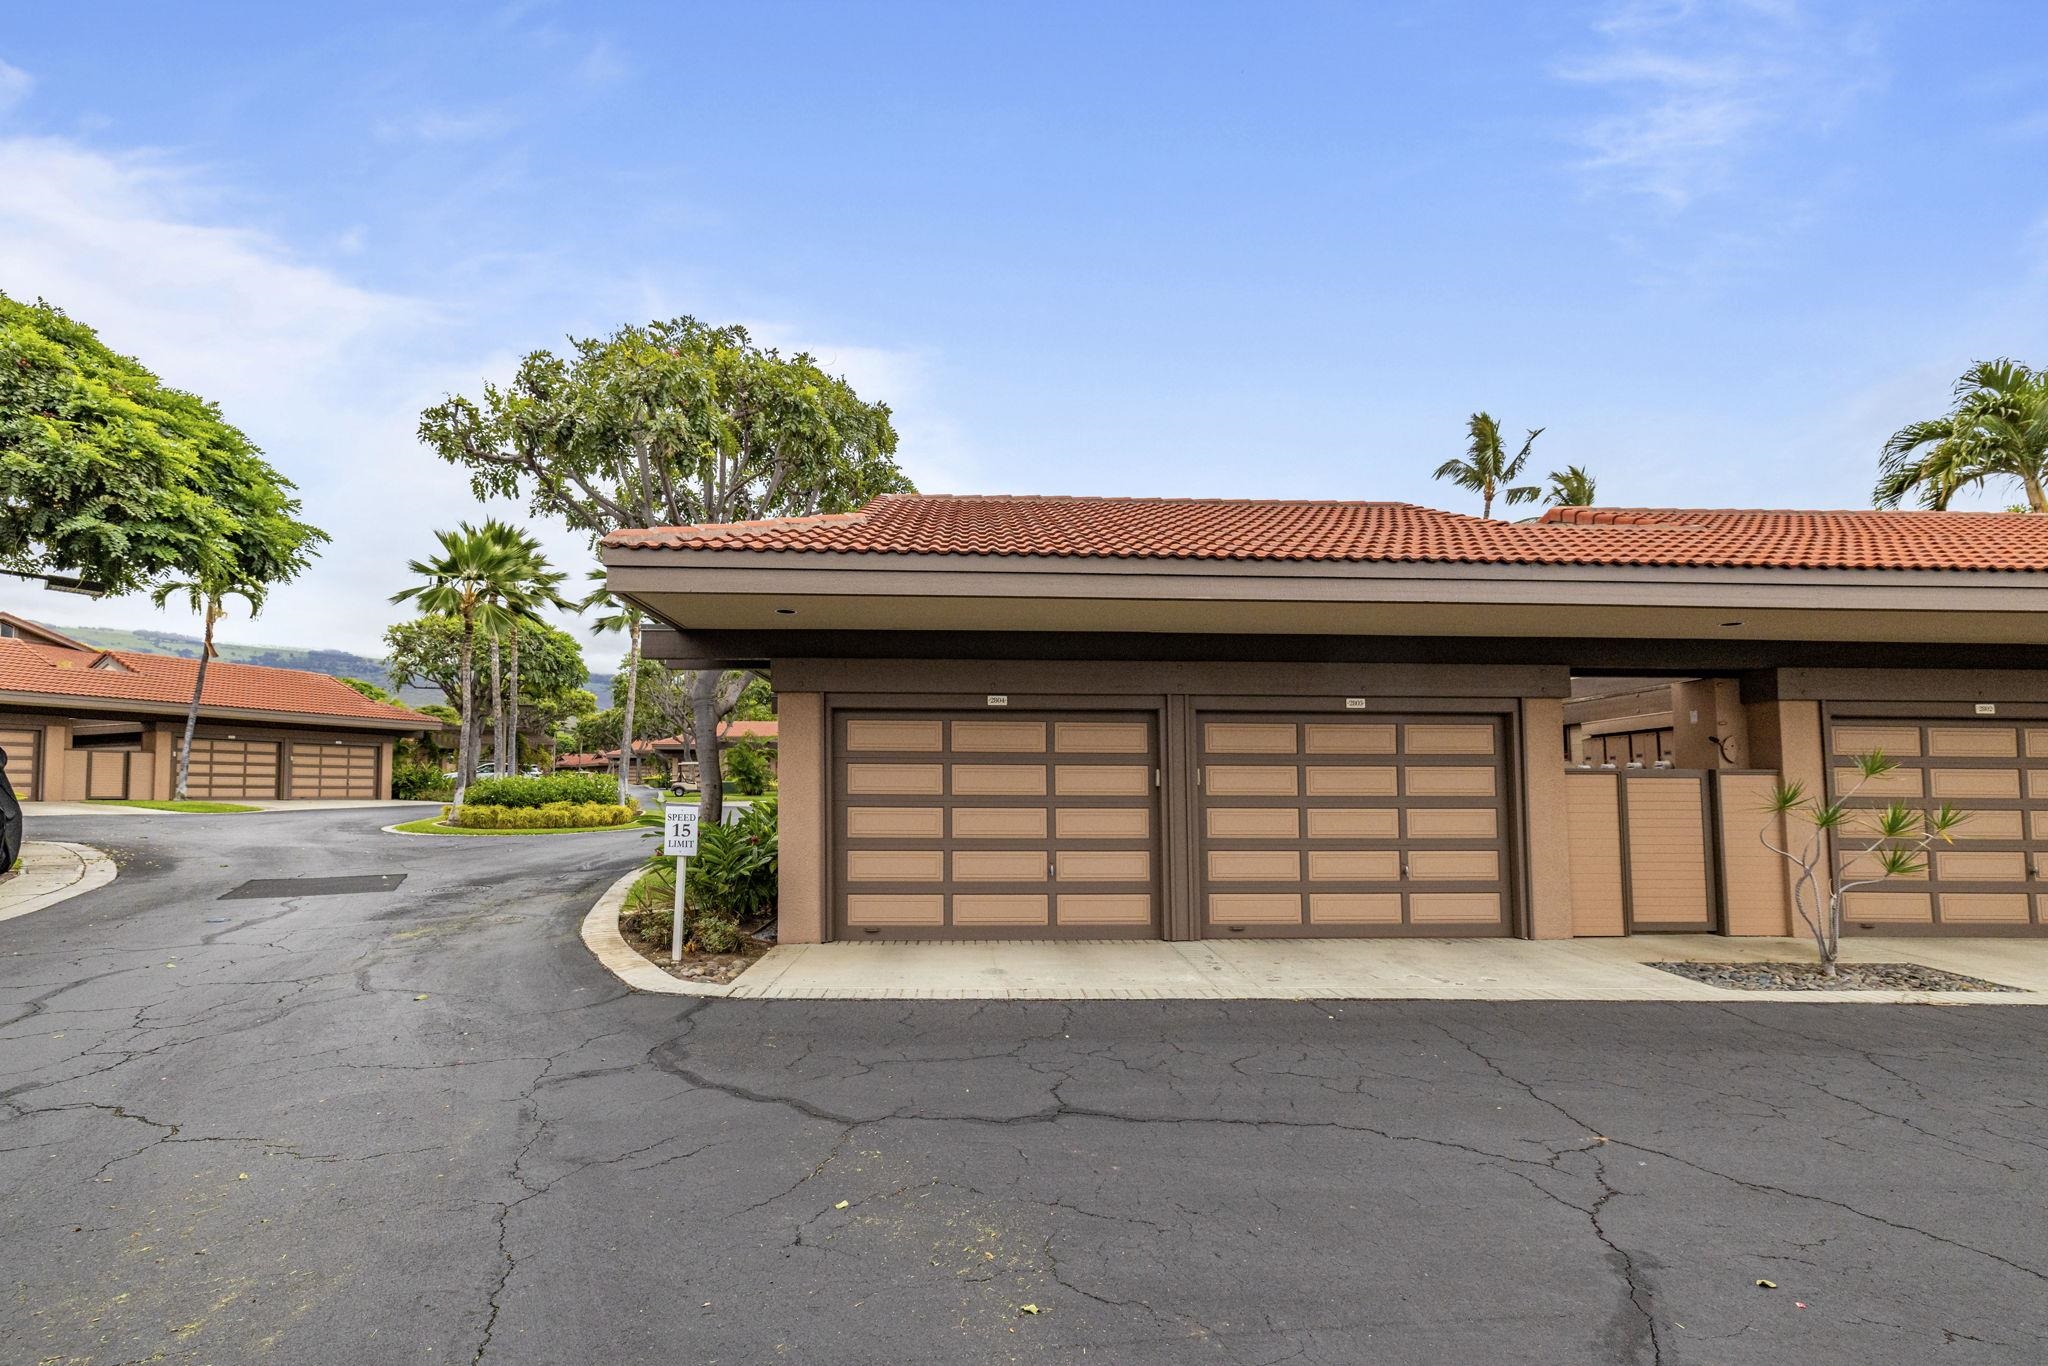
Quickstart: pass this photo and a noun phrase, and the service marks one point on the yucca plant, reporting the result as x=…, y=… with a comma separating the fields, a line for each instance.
x=1899, y=838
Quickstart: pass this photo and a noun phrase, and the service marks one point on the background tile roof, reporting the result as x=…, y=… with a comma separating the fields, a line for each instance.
x=1225, y=529
x=124, y=675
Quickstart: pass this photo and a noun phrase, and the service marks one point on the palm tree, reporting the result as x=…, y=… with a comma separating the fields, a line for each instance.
x=1486, y=469
x=538, y=587
x=1570, y=487
x=208, y=595
x=624, y=616
x=475, y=569
x=1997, y=429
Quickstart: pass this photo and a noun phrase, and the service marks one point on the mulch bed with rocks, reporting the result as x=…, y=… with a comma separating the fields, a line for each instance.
x=697, y=967
x=1808, y=977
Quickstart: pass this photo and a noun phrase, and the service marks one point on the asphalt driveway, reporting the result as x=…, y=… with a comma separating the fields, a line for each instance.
x=423, y=1125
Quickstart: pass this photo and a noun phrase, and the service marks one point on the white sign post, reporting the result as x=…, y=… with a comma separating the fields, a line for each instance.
x=679, y=840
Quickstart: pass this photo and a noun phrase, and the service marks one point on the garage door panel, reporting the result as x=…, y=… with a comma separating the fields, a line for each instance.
x=231, y=770
x=999, y=737
x=1354, y=865
x=1101, y=737
x=1354, y=908
x=1000, y=909
x=896, y=910
x=1449, y=739
x=897, y=822
x=999, y=822
x=1256, y=908
x=24, y=760
x=1973, y=742
x=895, y=865
x=918, y=737
x=1338, y=739
x=1983, y=784
x=1354, y=823
x=980, y=826
x=1360, y=781
x=1117, y=908
x=1451, y=782
x=1098, y=865
x=1367, y=825
x=1102, y=780
x=1249, y=780
x=895, y=780
x=1985, y=881
x=1103, y=822
x=1980, y=908
x=1454, y=908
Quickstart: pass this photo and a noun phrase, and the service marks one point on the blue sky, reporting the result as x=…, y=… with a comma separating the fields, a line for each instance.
x=1718, y=250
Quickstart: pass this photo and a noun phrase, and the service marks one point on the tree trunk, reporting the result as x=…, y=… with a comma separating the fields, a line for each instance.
x=462, y=744
x=704, y=711
x=2036, y=498
x=192, y=712
x=512, y=702
x=626, y=718
x=497, y=709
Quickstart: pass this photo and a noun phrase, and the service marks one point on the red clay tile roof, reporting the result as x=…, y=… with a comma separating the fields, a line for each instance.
x=1225, y=529
x=127, y=676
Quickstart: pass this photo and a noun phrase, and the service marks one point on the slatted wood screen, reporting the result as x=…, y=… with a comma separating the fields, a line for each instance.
x=1642, y=852
x=24, y=761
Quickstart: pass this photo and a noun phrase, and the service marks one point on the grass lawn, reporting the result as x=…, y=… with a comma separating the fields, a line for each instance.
x=432, y=826
x=189, y=808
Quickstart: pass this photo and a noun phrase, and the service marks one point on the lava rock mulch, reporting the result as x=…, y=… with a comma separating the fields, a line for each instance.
x=1808, y=977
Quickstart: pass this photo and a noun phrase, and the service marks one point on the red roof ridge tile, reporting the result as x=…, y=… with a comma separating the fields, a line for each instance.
x=1012, y=526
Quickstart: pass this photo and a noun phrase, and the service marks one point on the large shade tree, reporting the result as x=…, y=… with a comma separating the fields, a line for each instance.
x=112, y=478
x=1486, y=468
x=673, y=423
x=1996, y=432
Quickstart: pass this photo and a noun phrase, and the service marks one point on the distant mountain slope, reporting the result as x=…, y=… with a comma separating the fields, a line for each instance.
x=337, y=663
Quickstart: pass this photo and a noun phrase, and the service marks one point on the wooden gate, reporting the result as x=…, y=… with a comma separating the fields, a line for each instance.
x=1643, y=851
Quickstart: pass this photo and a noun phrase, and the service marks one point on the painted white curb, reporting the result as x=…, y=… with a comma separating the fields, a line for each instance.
x=50, y=872
x=601, y=936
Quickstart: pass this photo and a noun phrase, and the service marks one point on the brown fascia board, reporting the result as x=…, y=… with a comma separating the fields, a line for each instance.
x=740, y=573
x=62, y=702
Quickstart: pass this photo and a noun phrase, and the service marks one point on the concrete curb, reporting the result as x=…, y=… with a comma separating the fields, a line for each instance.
x=601, y=936
x=517, y=834
x=50, y=872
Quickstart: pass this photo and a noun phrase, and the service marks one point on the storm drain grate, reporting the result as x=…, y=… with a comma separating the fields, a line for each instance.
x=274, y=888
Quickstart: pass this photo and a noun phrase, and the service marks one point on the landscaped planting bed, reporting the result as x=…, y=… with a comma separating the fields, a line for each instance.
x=1810, y=977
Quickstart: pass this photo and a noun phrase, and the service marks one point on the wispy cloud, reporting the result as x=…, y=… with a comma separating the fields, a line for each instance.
x=1695, y=87
x=15, y=85
x=603, y=64
x=443, y=125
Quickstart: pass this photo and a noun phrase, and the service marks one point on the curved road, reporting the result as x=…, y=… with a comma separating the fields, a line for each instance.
x=423, y=1125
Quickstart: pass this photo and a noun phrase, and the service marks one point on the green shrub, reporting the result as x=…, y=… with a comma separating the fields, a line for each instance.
x=747, y=768
x=549, y=790
x=420, y=783
x=716, y=932
x=552, y=816
x=734, y=871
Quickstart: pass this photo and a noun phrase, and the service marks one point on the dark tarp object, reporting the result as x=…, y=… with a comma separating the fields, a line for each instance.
x=11, y=821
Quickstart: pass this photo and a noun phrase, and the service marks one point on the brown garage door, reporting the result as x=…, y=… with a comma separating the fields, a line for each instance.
x=1989, y=880
x=332, y=770
x=24, y=753
x=1328, y=824
x=965, y=826
x=232, y=769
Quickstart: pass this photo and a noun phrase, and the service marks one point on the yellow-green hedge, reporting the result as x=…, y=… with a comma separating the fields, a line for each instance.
x=552, y=816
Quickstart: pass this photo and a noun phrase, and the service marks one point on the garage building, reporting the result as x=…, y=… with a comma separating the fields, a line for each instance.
x=84, y=724
x=1020, y=717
